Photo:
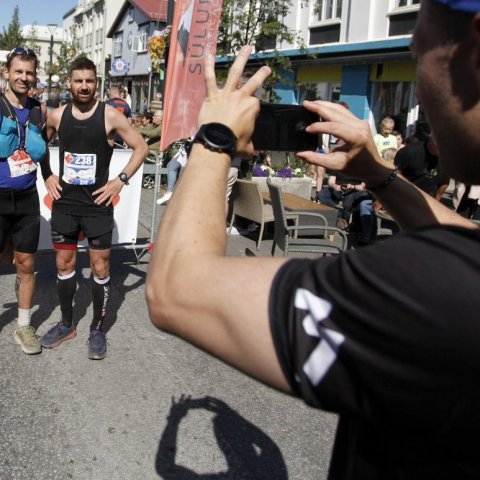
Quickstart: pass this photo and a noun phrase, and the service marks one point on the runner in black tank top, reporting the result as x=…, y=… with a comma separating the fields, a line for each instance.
x=85, y=156
x=83, y=197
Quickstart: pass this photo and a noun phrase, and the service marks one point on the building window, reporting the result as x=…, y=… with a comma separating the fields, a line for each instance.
x=318, y=91
x=325, y=10
x=406, y=3
x=325, y=25
x=140, y=40
x=118, y=44
x=130, y=15
x=403, y=17
x=395, y=99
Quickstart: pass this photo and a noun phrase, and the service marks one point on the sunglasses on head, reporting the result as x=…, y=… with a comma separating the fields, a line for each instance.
x=22, y=51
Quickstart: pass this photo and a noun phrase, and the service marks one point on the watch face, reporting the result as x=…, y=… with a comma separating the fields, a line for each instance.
x=220, y=136
x=217, y=137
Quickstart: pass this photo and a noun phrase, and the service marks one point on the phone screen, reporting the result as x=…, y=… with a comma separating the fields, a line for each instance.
x=281, y=127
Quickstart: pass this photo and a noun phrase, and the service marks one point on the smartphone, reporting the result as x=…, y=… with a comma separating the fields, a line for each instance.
x=282, y=127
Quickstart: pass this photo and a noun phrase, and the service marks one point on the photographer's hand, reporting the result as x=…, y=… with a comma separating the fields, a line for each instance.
x=235, y=107
x=358, y=157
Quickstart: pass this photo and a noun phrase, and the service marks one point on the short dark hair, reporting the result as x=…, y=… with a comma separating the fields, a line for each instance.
x=82, y=63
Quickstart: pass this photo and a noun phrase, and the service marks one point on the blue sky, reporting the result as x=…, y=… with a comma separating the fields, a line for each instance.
x=42, y=12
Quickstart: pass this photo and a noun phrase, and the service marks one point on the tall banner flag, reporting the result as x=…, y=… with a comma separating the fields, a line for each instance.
x=194, y=35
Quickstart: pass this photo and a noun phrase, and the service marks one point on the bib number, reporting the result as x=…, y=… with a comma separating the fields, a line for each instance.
x=20, y=163
x=79, y=168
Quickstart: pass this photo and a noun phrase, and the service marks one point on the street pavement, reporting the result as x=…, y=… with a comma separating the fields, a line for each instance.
x=155, y=407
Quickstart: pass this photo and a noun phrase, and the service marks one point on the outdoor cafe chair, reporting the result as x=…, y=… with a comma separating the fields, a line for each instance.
x=248, y=203
x=329, y=241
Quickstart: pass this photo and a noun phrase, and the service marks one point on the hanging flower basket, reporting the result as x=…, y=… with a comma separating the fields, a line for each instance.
x=157, y=46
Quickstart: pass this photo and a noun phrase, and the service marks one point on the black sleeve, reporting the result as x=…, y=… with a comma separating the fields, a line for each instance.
x=369, y=332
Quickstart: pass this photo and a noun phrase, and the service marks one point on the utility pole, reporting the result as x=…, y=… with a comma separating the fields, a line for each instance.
x=52, y=27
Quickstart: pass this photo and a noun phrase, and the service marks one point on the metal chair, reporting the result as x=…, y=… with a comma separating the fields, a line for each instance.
x=329, y=241
x=248, y=203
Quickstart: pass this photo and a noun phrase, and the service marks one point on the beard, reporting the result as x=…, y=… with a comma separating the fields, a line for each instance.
x=83, y=98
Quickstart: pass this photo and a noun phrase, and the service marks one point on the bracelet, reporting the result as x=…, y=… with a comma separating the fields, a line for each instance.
x=386, y=182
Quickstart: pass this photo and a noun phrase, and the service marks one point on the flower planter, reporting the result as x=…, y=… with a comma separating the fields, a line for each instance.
x=301, y=186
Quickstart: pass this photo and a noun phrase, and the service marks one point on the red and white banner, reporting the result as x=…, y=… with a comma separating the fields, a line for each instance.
x=194, y=35
x=127, y=204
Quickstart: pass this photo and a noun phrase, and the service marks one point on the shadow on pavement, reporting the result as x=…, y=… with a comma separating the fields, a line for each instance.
x=249, y=452
x=46, y=297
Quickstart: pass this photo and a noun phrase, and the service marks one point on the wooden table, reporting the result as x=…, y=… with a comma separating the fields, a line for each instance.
x=292, y=202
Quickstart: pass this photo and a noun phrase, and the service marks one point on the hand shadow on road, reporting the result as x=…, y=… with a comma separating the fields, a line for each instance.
x=249, y=452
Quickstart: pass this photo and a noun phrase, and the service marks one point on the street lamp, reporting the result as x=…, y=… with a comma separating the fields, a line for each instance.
x=52, y=27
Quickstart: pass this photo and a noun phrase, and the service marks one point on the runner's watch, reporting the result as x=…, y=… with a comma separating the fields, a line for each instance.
x=123, y=177
x=217, y=138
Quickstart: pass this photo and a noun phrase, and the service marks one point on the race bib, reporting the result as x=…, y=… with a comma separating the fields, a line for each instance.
x=79, y=168
x=20, y=163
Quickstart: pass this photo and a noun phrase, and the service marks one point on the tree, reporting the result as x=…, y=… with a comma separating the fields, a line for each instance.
x=32, y=37
x=67, y=53
x=12, y=37
x=259, y=23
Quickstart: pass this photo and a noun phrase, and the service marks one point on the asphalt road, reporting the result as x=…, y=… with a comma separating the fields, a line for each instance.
x=154, y=408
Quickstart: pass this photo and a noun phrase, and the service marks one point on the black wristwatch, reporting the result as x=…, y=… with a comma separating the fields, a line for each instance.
x=217, y=138
x=123, y=177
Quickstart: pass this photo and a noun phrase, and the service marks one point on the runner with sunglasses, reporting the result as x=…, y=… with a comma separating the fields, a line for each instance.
x=22, y=147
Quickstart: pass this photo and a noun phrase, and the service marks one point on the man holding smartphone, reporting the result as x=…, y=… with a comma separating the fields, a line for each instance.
x=380, y=335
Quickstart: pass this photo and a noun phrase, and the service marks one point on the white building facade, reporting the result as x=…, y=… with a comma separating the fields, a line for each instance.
x=357, y=52
x=40, y=38
x=89, y=22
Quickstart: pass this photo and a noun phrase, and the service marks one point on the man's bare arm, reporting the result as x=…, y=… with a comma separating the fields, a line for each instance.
x=219, y=304
x=116, y=122
x=52, y=182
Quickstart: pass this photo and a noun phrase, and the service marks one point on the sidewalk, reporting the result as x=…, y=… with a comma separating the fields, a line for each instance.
x=63, y=416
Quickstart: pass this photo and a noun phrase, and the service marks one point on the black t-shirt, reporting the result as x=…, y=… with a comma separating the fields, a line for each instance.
x=342, y=179
x=421, y=167
x=389, y=338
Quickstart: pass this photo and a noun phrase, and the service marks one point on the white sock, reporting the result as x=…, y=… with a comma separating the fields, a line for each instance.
x=24, y=317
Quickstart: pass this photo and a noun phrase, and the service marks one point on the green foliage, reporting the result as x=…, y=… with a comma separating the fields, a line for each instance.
x=32, y=37
x=67, y=53
x=12, y=37
x=251, y=22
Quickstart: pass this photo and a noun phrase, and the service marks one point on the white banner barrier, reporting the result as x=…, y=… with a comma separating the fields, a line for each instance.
x=127, y=204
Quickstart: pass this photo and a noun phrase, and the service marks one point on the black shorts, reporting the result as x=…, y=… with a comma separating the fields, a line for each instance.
x=67, y=230
x=20, y=216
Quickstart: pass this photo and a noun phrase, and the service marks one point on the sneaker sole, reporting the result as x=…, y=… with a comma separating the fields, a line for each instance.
x=58, y=342
x=26, y=350
x=97, y=357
